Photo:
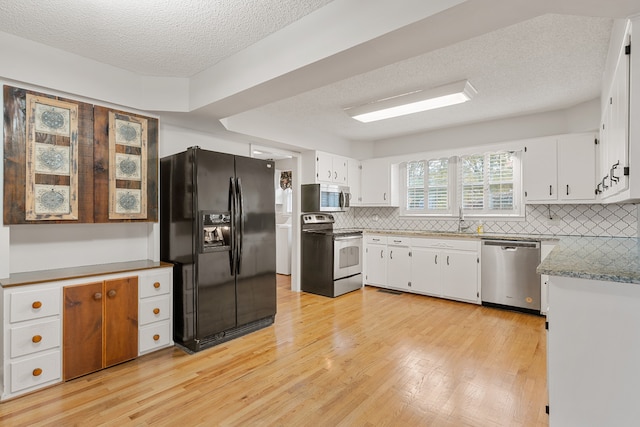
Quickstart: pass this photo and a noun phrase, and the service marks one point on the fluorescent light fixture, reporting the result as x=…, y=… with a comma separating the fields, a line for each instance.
x=414, y=102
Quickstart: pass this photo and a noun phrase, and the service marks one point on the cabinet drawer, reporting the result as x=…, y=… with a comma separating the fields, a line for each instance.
x=375, y=239
x=34, y=338
x=155, y=284
x=398, y=241
x=458, y=244
x=35, y=371
x=154, y=309
x=34, y=304
x=154, y=336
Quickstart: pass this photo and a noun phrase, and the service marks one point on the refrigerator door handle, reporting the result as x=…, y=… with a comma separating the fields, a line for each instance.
x=240, y=232
x=232, y=202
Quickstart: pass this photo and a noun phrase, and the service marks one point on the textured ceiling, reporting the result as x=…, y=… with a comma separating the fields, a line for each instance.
x=152, y=37
x=521, y=56
x=549, y=62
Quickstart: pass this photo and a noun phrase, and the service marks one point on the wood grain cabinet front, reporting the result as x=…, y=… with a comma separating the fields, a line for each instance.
x=100, y=326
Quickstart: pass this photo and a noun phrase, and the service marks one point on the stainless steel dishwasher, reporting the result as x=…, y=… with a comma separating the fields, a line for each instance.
x=509, y=278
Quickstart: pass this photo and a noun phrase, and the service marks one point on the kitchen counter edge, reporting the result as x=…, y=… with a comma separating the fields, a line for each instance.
x=43, y=276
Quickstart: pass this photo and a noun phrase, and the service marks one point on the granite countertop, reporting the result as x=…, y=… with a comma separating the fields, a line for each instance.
x=464, y=235
x=613, y=259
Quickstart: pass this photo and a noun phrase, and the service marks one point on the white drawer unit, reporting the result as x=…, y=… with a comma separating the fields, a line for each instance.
x=155, y=311
x=155, y=336
x=35, y=304
x=34, y=372
x=35, y=337
x=155, y=283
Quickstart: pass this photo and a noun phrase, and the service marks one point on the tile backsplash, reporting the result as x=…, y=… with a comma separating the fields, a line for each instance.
x=576, y=220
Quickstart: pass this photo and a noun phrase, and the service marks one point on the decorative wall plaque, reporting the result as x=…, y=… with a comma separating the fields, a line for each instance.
x=127, y=166
x=51, y=191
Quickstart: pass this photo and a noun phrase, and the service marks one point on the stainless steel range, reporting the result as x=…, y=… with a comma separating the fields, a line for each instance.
x=331, y=259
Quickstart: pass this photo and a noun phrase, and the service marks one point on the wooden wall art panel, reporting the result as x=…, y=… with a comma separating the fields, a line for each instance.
x=63, y=163
x=125, y=166
x=48, y=158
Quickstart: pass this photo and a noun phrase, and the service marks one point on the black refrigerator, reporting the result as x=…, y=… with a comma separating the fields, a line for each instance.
x=217, y=226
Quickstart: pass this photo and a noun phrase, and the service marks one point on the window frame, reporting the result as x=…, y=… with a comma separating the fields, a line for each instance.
x=455, y=190
x=425, y=211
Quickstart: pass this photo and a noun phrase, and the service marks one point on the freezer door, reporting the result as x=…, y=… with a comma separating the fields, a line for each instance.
x=256, y=248
x=215, y=297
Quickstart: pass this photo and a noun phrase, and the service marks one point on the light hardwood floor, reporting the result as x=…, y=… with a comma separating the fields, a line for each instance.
x=367, y=358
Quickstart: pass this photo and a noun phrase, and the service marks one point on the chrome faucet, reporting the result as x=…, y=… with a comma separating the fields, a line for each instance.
x=461, y=227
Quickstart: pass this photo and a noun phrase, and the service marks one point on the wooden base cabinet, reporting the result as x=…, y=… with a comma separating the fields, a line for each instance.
x=100, y=325
x=57, y=328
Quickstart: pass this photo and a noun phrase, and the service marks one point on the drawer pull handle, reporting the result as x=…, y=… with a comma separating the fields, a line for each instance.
x=36, y=339
x=111, y=293
x=37, y=372
x=156, y=311
x=156, y=337
x=97, y=296
x=36, y=304
x=156, y=285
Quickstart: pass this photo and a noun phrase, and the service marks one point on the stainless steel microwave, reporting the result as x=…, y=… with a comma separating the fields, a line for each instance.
x=324, y=198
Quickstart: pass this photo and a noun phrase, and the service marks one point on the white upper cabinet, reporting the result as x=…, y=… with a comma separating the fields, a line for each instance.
x=613, y=183
x=321, y=167
x=354, y=178
x=560, y=169
x=540, y=170
x=577, y=167
x=379, y=183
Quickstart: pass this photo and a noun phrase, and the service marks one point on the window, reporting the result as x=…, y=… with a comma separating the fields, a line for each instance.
x=488, y=183
x=427, y=187
x=481, y=184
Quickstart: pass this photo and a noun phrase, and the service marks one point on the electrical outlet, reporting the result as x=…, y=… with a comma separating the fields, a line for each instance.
x=375, y=218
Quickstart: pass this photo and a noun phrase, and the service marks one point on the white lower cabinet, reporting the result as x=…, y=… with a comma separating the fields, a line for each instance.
x=447, y=268
x=32, y=319
x=375, y=260
x=399, y=263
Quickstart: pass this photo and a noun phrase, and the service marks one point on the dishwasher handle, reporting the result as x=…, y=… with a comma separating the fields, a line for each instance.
x=512, y=245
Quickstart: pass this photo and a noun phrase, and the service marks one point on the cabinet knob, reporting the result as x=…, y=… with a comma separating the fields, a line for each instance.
x=97, y=296
x=36, y=304
x=156, y=337
x=111, y=293
x=36, y=339
x=37, y=372
x=156, y=311
x=156, y=285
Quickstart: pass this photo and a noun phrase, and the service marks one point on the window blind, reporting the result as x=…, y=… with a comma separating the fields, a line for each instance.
x=438, y=184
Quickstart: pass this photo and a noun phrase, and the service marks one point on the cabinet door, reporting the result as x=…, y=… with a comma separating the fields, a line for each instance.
x=376, y=265
x=375, y=182
x=618, y=137
x=82, y=329
x=460, y=275
x=121, y=320
x=324, y=167
x=398, y=267
x=354, y=174
x=540, y=170
x=577, y=167
x=340, y=170
x=425, y=271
